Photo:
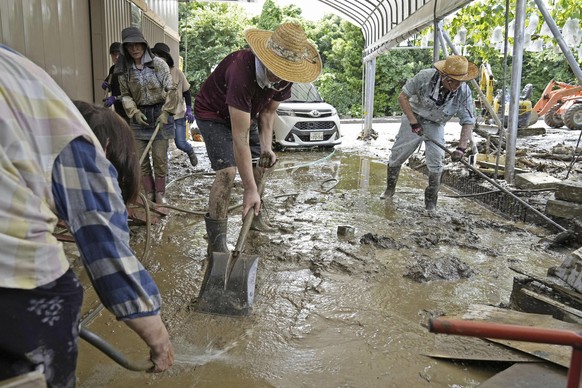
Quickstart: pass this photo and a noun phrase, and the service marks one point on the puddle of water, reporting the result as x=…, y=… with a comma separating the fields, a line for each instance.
x=328, y=311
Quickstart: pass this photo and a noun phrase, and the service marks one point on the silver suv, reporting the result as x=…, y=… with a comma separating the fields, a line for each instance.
x=304, y=120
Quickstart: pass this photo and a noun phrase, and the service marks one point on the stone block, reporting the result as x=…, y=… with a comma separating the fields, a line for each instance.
x=570, y=270
x=564, y=209
x=570, y=191
x=535, y=180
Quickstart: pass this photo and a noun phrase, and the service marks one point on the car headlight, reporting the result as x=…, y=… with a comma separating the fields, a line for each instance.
x=333, y=111
x=285, y=112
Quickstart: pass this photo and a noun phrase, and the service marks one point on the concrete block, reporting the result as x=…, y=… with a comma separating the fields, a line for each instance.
x=570, y=191
x=535, y=180
x=564, y=209
x=570, y=270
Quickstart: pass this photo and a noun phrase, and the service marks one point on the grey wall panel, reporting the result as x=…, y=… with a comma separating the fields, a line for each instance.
x=54, y=34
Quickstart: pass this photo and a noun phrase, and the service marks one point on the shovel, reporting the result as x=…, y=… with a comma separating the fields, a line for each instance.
x=564, y=233
x=228, y=287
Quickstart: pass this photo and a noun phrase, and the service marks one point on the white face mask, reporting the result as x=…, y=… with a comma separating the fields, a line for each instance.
x=263, y=78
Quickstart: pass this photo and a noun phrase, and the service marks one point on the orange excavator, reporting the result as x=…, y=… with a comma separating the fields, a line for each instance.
x=560, y=105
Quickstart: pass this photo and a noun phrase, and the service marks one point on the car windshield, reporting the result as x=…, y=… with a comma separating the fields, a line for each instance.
x=304, y=93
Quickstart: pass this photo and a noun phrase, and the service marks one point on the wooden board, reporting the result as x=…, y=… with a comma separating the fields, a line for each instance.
x=557, y=354
x=528, y=376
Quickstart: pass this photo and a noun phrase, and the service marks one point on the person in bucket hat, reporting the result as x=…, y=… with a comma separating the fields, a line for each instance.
x=111, y=83
x=428, y=101
x=149, y=97
x=235, y=110
x=183, y=111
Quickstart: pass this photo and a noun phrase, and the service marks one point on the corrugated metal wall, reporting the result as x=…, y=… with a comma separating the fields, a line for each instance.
x=70, y=38
x=54, y=34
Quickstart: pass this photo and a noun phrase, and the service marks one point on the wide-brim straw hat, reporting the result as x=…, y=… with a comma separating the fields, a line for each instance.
x=286, y=52
x=458, y=67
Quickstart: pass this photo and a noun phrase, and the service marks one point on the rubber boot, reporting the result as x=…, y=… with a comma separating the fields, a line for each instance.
x=260, y=224
x=160, y=195
x=216, y=231
x=147, y=183
x=392, y=178
x=431, y=193
x=193, y=159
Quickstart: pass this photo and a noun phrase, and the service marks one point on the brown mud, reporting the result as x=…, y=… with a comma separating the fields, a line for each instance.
x=331, y=310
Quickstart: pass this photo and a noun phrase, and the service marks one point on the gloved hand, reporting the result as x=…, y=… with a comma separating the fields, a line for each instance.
x=417, y=128
x=457, y=154
x=189, y=116
x=105, y=85
x=140, y=118
x=109, y=101
x=163, y=118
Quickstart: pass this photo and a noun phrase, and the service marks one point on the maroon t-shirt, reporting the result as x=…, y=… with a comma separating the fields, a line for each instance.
x=234, y=83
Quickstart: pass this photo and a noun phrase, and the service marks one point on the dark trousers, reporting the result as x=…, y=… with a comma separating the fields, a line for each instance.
x=39, y=329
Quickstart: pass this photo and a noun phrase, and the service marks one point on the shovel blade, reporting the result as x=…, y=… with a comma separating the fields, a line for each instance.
x=238, y=296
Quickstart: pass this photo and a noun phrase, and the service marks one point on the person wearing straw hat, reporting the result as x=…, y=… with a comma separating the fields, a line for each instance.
x=235, y=110
x=428, y=101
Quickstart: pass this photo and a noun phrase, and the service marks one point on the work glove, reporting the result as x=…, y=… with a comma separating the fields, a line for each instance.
x=189, y=115
x=163, y=118
x=140, y=118
x=105, y=85
x=109, y=101
x=457, y=154
x=417, y=128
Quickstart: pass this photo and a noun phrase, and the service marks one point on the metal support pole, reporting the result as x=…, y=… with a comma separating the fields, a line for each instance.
x=369, y=84
x=442, y=39
x=558, y=35
x=435, y=39
x=518, y=39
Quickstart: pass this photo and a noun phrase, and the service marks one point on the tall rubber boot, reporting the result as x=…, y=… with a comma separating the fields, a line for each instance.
x=216, y=231
x=431, y=193
x=160, y=187
x=147, y=183
x=392, y=177
x=260, y=224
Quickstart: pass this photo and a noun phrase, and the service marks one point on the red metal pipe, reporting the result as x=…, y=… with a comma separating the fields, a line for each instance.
x=516, y=333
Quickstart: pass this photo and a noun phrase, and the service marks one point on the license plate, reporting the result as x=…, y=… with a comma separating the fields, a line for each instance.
x=315, y=136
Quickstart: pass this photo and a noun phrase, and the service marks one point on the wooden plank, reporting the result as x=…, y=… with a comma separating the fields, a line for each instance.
x=475, y=349
x=528, y=376
x=557, y=354
x=27, y=380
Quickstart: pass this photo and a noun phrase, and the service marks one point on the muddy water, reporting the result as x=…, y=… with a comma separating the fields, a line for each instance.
x=329, y=311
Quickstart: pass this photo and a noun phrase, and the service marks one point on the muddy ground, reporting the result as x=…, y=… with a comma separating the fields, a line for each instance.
x=329, y=310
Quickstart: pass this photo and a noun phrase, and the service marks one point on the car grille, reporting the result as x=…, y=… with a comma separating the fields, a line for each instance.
x=314, y=125
x=309, y=113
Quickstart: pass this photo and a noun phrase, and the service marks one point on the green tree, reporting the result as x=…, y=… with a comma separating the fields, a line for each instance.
x=211, y=31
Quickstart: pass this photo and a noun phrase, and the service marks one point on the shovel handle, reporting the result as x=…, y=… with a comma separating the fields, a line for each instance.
x=497, y=185
x=113, y=353
x=246, y=226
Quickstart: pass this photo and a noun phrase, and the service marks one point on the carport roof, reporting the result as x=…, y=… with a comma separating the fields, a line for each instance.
x=386, y=23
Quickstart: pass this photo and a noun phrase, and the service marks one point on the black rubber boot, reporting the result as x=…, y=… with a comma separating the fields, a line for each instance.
x=431, y=193
x=260, y=224
x=392, y=178
x=216, y=231
x=193, y=159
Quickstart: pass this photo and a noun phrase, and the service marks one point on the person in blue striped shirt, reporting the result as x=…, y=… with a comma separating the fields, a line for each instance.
x=52, y=166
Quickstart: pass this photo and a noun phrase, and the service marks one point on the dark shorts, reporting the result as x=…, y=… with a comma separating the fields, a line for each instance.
x=39, y=329
x=218, y=140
